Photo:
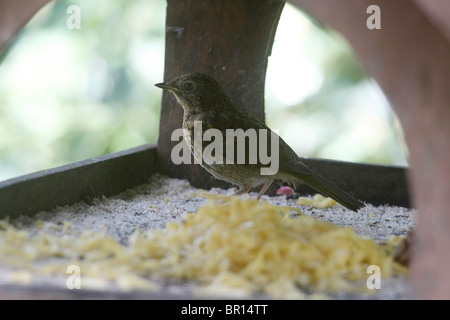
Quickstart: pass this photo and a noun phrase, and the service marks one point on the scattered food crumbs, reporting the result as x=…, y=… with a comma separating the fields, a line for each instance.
x=218, y=244
x=318, y=201
x=22, y=277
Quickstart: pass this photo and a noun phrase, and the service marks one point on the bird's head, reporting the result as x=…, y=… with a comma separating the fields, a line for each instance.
x=195, y=91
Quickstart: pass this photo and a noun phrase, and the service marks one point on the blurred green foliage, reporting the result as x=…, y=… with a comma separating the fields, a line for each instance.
x=326, y=105
x=68, y=95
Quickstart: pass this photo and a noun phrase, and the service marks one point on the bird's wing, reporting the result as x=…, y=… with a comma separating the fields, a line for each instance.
x=289, y=161
x=240, y=119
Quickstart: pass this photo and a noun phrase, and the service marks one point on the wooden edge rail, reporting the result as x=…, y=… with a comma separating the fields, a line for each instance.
x=112, y=173
x=80, y=181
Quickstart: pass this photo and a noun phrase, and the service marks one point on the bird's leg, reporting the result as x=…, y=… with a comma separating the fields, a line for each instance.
x=264, y=189
x=242, y=190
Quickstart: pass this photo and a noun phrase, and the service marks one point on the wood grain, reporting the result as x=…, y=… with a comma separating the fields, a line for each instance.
x=228, y=40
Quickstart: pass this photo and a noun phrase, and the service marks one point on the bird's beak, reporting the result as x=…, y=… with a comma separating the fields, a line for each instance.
x=166, y=86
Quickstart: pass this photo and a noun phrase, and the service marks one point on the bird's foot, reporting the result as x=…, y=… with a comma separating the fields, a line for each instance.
x=264, y=189
x=242, y=190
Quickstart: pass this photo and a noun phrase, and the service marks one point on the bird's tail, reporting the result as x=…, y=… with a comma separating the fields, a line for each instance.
x=330, y=190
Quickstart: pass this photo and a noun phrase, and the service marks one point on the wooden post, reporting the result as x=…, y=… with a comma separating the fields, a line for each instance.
x=14, y=14
x=410, y=58
x=229, y=40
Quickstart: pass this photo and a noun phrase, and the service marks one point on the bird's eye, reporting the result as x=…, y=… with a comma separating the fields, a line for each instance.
x=189, y=86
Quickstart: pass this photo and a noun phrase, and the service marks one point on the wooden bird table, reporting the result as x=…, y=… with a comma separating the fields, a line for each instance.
x=231, y=41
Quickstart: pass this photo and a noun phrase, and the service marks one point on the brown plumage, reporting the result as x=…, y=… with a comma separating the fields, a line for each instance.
x=204, y=100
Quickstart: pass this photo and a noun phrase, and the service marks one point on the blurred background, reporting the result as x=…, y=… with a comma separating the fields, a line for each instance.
x=68, y=95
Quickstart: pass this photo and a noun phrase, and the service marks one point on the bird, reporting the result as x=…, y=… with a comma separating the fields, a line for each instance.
x=205, y=102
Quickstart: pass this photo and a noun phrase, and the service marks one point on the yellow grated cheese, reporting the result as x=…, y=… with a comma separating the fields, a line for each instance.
x=317, y=201
x=230, y=246
x=21, y=277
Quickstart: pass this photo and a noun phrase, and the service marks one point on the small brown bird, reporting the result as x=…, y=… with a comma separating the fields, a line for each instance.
x=205, y=102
